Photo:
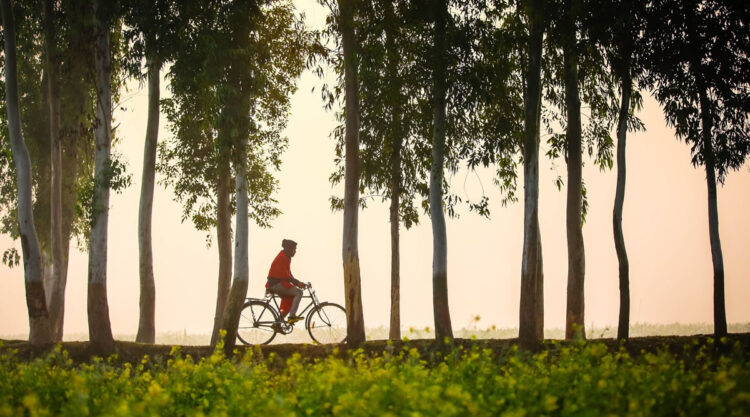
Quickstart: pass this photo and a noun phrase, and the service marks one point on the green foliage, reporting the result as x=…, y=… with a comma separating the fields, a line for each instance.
x=74, y=58
x=226, y=86
x=596, y=83
x=699, y=48
x=116, y=178
x=394, y=62
x=570, y=380
x=11, y=257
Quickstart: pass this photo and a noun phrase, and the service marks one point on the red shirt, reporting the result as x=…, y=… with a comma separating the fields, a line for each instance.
x=281, y=267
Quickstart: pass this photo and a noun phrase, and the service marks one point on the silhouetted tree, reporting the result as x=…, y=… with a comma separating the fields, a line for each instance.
x=531, y=317
x=699, y=65
x=150, y=32
x=617, y=26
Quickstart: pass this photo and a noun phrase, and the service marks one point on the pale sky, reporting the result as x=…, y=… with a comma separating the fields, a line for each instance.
x=665, y=225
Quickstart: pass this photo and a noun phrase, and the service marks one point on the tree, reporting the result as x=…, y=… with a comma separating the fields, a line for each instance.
x=146, y=321
x=150, y=36
x=531, y=318
x=699, y=65
x=100, y=328
x=576, y=71
x=617, y=26
x=39, y=326
x=239, y=109
x=220, y=95
x=574, y=322
x=442, y=317
x=395, y=81
x=55, y=293
x=387, y=155
x=355, y=326
x=73, y=70
x=77, y=124
x=396, y=180
x=282, y=46
x=74, y=75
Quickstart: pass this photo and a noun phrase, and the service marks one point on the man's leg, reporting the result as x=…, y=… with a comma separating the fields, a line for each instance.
x=289, y=292
x=295, y=303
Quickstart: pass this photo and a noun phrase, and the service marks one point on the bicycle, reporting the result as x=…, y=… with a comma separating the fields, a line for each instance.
x=260, y=320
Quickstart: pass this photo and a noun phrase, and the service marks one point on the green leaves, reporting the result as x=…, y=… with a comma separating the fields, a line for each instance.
x=699, y=48
x=116, y=178
x=11, y=257
x=235, y=68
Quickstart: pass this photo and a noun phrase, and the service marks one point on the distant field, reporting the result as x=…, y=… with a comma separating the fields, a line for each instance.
x=380, y=333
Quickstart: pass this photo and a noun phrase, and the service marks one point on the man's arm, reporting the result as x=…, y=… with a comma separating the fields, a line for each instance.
x=297, y=282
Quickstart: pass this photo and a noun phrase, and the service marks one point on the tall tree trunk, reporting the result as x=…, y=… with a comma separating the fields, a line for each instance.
x=56, y=291
x=574, y=319
x=720, y=315
x=539, y=329
x=396, y=143
x=224, y=244
x=69, y=153
x=441, y=311
x=623, y=325
x=69, y=184
x=238, y=112
x=100, y=329
x=146, y=322
x=241, y=267
x=395, y=325
x=76, y=87
x=355, y=325
x=531, y=278
x=39, y=325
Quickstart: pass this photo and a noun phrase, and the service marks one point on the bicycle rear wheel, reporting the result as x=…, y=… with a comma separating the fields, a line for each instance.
x=256, y=323
x=326, y=323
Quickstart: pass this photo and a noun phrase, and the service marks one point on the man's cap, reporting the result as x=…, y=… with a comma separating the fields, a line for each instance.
x=288, y=243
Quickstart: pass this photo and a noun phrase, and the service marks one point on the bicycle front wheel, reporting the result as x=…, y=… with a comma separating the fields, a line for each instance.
x=326, y=323
x=256, y=323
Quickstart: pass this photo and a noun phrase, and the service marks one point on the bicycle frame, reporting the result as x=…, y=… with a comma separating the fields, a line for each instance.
x=273, y=300
x=322, y=320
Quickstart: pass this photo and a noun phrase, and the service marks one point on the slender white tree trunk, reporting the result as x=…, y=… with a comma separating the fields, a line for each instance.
x=350, y=249
x=241, y=262
x=39, y=326
x=100, y=330
x=396, y=141
x=55, y=291
x=146, y=322
x=239, y=110
x=441, y=311
x=531, y=324
x=224, y=244
x=574, y=321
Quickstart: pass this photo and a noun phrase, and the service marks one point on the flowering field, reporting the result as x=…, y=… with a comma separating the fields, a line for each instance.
x=562, y=380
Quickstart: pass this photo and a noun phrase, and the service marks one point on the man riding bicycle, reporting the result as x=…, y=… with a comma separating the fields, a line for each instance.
x=282, y=282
